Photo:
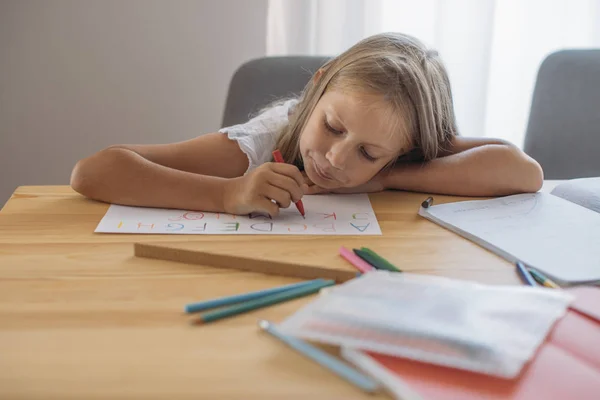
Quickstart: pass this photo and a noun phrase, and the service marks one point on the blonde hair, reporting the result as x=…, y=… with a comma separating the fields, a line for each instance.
x=401, y=69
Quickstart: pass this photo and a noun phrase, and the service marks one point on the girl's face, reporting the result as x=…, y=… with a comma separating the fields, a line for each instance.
x=349, y=138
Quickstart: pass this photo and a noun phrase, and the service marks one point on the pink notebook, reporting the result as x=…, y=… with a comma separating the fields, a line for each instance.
x=566, y=365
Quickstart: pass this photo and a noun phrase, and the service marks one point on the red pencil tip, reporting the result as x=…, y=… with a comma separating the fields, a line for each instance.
x=300, y=207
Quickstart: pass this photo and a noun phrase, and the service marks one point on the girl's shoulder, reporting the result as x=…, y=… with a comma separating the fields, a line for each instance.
x=268, y=119
x=258, y=136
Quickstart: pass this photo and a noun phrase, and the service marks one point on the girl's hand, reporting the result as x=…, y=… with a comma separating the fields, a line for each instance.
x=376, y=184
x=264, y=190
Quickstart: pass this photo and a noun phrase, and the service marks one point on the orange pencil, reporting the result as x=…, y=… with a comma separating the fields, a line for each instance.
x=279, y=158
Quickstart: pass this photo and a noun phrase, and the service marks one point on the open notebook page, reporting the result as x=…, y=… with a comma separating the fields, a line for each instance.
x=550, y=234
x=583, y=191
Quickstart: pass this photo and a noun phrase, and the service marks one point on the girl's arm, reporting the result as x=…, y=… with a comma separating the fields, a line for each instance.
x=186, y=175
x=206, y=174
x=471, y=167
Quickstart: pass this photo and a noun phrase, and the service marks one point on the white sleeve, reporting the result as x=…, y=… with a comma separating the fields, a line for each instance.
x=258, y=137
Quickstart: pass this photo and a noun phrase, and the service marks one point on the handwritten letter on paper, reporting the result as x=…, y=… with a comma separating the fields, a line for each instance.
x=325, y=215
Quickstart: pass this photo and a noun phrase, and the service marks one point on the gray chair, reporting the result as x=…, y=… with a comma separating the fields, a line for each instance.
x=563, y=133
x=261, y=81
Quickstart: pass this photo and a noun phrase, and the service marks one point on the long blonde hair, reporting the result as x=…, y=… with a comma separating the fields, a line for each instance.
x=401, y=69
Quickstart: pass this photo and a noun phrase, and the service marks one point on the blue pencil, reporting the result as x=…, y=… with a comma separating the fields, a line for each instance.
x=228, y=300
x=525, y=275
x=333, y=364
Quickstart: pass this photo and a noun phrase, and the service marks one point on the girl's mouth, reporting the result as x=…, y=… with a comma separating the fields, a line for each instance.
x=323, y=175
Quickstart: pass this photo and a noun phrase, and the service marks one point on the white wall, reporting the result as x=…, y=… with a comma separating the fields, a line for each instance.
x=77, y=76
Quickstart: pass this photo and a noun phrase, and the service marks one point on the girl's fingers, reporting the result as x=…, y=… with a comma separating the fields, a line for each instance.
x=289, y=170
x=288, y=184
x=265, y=205
x=281, y=196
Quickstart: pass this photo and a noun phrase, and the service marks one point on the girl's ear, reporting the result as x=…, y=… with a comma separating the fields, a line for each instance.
x=317, y=76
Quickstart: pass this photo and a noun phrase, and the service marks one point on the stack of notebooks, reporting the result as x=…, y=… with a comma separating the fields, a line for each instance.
x=426, y=337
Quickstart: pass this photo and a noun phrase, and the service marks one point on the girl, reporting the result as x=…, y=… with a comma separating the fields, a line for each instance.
x=379, y=116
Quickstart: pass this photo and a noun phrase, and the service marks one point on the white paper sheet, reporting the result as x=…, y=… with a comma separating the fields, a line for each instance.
x=553, y=235
x=325, y=215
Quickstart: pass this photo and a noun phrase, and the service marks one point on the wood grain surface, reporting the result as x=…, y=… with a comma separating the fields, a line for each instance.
x=82, y=318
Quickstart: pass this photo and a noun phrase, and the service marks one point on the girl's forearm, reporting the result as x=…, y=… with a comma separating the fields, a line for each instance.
x=490, y=170
x=121, y=176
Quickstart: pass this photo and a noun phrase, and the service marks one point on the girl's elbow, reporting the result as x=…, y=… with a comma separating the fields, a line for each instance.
x=517, y=171
x=80, y=180
x=533, y=179
x=527, y=175
x=538, y=176
x=90, y=171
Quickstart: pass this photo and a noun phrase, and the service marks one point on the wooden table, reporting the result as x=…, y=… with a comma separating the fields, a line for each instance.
x=82, y=318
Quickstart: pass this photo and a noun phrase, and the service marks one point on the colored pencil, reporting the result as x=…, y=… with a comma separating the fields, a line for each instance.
x=367, y=258
x=333, y=364
x=542, y=280
x=353, y=259
x=228, y=300
x=525, y=275
x=264, y=301
x=388, y=265
x=370, y=259
x=279, y=159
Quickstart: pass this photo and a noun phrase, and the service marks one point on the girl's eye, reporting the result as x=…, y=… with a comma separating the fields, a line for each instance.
x=367, y=155
x=363, y=151
x=330, y=128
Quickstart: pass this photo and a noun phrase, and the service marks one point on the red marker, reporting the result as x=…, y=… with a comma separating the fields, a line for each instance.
x=279, y=158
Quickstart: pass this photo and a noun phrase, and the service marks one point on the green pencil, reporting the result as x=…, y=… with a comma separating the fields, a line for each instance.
x=388, y=265
x=375, y=262
x=542, y=280
x=263, y=302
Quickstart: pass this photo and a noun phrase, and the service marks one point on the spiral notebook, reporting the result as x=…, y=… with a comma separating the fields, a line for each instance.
x=546, y=232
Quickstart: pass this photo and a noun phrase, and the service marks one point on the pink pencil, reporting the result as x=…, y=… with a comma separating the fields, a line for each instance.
x=358, y=262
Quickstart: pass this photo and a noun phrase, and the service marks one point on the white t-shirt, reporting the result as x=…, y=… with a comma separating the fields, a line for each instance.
x=258, y=137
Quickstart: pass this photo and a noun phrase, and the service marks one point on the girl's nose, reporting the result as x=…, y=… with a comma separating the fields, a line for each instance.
x=338, y=155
